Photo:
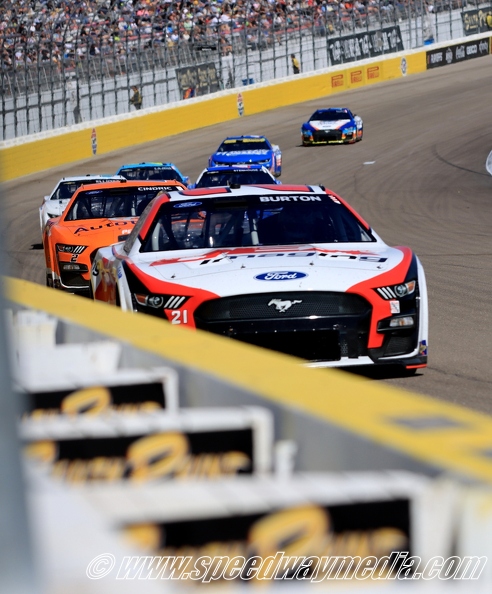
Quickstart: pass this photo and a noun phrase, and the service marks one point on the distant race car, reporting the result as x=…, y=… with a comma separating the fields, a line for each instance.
x=332, y=125
x=96, y=216
x=234, y=175
x=290, y=268
x=248, y=150
x=54, y=204
x=152, y=171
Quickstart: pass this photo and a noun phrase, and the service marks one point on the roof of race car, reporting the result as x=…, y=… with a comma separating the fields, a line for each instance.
x=148, y=164
x=76, y=178
x=254, y=136
x=252, y=190
x=129, y=183
x=133, y=182
x=246, y=190
x=343, y=109
x=232, y=167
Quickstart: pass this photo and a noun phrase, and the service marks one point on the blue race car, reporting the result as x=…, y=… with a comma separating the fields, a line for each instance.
x=235, y=175
x=337, y=125
x=248, y=150
x=153, y=171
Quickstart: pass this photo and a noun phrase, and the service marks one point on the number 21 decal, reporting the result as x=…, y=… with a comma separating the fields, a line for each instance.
x=179, y=317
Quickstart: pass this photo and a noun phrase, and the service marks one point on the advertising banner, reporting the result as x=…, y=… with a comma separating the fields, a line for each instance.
x=142, y=447
x=453, y=54
x=371, y=44
x=194, y=81
x=477, y=21
x=128, y=391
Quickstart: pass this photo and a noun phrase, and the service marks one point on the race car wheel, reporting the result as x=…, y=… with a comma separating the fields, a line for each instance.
x=360, y=138
x=49, y=280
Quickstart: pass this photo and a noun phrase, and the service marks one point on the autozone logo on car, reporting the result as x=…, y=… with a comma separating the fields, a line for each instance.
x=281, y=275
x=290, y=199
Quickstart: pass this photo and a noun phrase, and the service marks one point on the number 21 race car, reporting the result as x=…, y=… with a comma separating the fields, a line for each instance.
x=290, y=268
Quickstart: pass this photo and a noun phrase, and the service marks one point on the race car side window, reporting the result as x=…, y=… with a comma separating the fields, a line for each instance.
x=136, y=230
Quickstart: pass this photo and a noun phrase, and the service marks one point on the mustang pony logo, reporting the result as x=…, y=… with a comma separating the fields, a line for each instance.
x=283, y=305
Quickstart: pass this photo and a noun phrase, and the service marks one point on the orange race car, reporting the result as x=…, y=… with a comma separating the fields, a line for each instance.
x=96, y=216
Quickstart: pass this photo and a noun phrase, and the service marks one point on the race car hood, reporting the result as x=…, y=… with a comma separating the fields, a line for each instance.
x=245, y=270
x=256, y=156
x=333, y=125
x=110, y=229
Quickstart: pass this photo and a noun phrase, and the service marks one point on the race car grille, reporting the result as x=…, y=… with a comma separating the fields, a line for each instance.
x=326, y=135
x=399, y=345
x=73, y=279
x=281, y=305
x=316, y=326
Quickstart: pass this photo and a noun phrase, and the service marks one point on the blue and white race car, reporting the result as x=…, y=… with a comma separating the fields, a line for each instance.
x=235, y=175
x=248, y=150
x=332, y=125
x=153, y=171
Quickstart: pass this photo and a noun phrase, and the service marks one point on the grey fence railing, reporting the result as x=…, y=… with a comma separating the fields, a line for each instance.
x=57, y=76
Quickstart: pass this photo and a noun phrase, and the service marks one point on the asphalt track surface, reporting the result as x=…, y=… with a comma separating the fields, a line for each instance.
x=418, y=177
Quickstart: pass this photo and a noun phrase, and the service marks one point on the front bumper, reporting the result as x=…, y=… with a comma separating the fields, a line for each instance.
x=328, y=137
x=325, y=329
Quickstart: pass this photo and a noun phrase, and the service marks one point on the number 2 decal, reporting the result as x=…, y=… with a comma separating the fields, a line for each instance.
x=179, y=317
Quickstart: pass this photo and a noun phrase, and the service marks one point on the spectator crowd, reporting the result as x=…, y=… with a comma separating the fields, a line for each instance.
x=33, y=31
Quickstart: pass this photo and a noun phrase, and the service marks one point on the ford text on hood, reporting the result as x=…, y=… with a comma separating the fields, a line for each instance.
x=290, y=268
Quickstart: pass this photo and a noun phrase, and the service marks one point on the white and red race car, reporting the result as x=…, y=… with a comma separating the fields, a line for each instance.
x=290, y=268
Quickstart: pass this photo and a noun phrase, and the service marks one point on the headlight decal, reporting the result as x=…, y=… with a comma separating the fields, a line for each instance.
x=70, y=249
x=397, y=291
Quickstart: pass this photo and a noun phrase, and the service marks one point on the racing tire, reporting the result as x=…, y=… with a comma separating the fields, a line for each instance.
x=49, y=280
x=359, y=139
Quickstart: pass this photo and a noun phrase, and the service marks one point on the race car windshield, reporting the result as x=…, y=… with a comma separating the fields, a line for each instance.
x=224, y=178
x=253, y=221
x=244, y=144
x=330, y=116
x=111, y=203
x=67, y=189
x=150, y=173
